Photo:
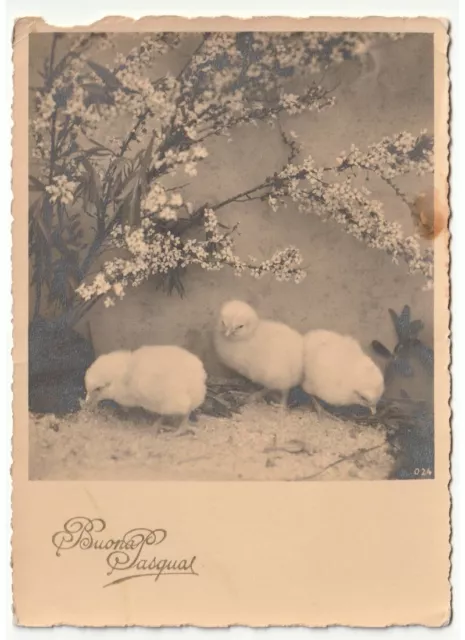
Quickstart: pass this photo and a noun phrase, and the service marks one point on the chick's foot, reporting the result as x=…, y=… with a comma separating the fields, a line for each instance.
x=322, y=413
x=182, y=428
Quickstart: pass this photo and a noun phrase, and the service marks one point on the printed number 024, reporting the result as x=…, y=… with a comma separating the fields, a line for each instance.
x=422, y=472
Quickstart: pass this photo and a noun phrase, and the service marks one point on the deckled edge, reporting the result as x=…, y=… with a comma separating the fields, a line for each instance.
x=38, y=25
x=322, y=23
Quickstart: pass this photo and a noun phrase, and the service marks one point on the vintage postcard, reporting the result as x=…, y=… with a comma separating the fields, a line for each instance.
x=231, y=324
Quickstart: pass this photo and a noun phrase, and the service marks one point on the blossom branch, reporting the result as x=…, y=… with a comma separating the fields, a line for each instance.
x=151, y=253
x=227, y=81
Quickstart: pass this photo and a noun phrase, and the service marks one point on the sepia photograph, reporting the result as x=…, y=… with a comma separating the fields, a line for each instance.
x=231, y=323
x=231, y=247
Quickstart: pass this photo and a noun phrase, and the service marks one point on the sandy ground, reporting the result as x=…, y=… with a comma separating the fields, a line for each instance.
x=257, y=444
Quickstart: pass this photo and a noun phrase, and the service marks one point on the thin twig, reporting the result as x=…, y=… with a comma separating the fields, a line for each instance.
x=396, y=189
x=343, y=459
x=236, y=198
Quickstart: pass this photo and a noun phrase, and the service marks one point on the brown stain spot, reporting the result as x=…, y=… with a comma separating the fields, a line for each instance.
x=429, y=213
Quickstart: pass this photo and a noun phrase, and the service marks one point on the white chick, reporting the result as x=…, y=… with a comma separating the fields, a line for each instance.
x=337, y=370
x=104, y=375
x=266, y=352
x=166, y=380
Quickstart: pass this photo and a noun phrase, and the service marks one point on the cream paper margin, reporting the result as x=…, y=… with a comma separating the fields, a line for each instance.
x=363, y=553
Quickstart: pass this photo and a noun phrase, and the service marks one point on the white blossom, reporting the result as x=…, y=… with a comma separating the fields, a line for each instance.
x=176, y=200
x=190, y=169
x=61, y=189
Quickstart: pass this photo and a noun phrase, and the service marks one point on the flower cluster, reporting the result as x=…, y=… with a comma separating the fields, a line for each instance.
x=82, y=94
x=361, y=216
x=152, y=46
x=285, y=54
x=161, y=203
x=283, y=265
x=315, y=99
x=171, y=160
x=61, y=107
x=229, y=81
x=232, y=80
x=61, y=190
x=151, y=253
x=393, y=156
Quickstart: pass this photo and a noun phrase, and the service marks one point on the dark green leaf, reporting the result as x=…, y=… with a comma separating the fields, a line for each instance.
x=127, y=186
x=138, y=158
x=380, y=349
x=85, y=191
x=146, y=161
x=45, y=232
x=96, y=94
x=134, y=210
x=121, y=171
x=86, y=153
x=35, y=184
x=124, y=210
x=106, y=75
x=96, y=89
x=38, y=216
x=404, y=321
x=61, y=96
x=394, y=318
x=94, y=184
x=99, y=144
x=35, y=208
x=415, y=327
x=66, y=248
x=401, y=323
x=79, y=192
x=128, y=168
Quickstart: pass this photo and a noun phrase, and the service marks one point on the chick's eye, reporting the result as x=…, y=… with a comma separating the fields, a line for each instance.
x=241, y=326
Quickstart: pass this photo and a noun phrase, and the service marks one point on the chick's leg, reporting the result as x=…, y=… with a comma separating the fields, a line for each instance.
x=156, y=425
x=257, y=396
x=183, y=427
x=283, y=404
x=322, y=413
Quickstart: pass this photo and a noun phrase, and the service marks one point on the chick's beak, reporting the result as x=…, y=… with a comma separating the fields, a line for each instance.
x=373, y=410
x=91, y=398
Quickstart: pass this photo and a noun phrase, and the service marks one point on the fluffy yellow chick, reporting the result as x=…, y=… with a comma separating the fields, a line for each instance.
x=337, y=370
x=266, y=352
x=166, y=380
